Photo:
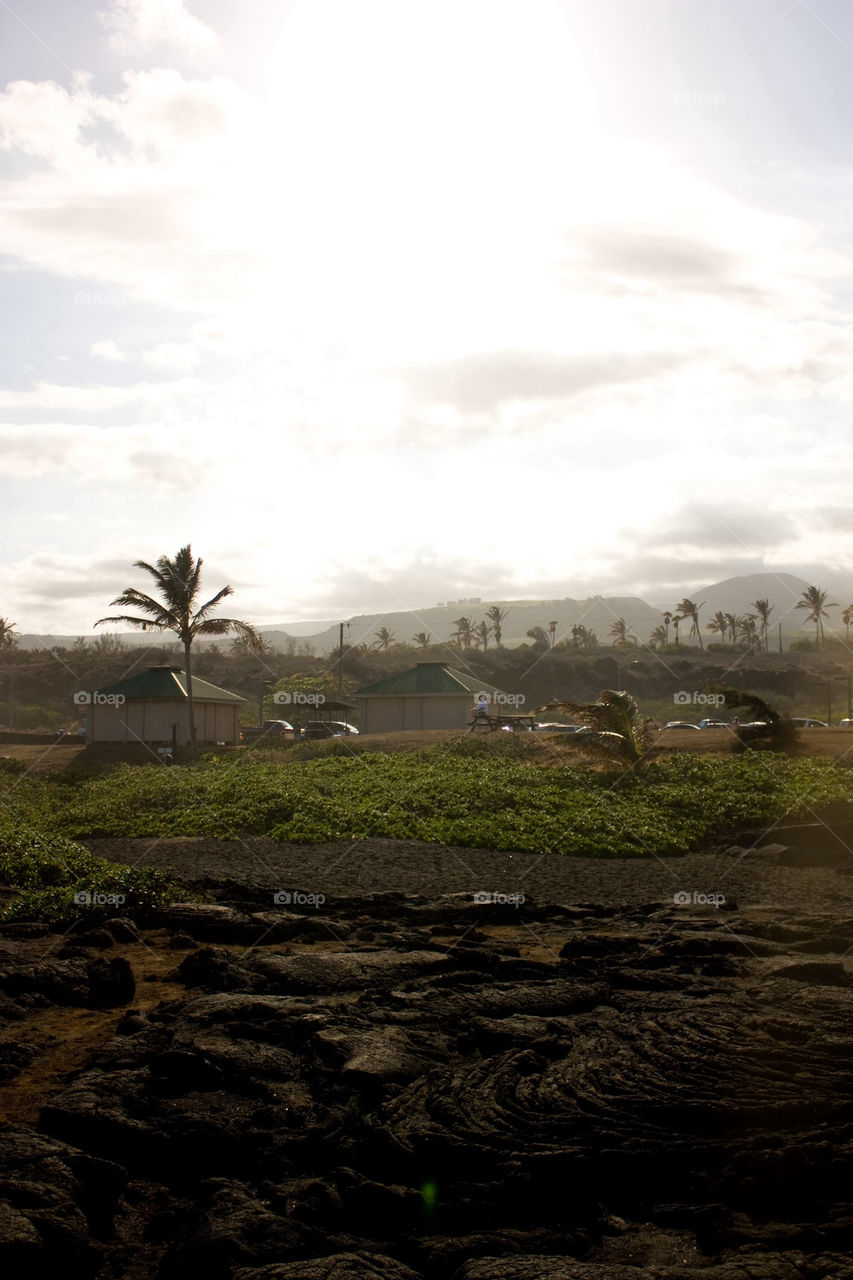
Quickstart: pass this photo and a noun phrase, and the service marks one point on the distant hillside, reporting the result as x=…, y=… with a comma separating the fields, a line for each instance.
x=734, y=595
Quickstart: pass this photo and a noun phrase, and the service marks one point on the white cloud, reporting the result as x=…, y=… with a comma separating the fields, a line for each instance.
x=109, y=350
x=137, y=26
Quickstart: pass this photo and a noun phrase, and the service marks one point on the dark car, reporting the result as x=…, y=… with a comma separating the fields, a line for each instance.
x=328, y=729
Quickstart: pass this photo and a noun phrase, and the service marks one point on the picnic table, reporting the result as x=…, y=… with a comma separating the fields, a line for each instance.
x=490, y=723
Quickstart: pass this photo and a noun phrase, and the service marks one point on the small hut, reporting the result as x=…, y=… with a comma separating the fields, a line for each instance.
x=430, y=695
x=151, y=707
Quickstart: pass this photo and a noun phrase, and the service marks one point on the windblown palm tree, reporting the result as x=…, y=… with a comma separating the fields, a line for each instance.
x=8, y=639
x=384, y=638
x=179, y=581
x=763, y=609
x=481, y=635
x=732, y=620
x=613, y=714
x=621, y=635
x=658, y=635
x=689, y=609
x=719, y=624
x=817, y=604
x=463, y=635
x=847, y=618
x=667, y=619
x=496, y=617
x=747, y=630
x=422, y=639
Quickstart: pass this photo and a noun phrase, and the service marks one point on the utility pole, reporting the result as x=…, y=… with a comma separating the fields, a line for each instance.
x=341, y=663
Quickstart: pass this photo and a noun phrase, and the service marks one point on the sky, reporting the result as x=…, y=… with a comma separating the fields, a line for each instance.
x=384, y=303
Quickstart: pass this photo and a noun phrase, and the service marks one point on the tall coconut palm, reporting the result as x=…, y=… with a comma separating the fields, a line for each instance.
x=179, y=582
x=8, y=639
x=667, y=619
x=815, y=601
x=747, y=630
x=618, y=726
x=763, y=609
x=552, y=633
x=621, y=635
x=718, y=624
x=658, y=636
x=732, y=621
x=496, y=617
x=847, y=618
x=463, y=635
x=481, y=635
x=384, y=638
x=689, y=609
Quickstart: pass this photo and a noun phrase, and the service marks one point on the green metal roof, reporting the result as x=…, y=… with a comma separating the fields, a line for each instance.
x=426, y=678
x=169, y=684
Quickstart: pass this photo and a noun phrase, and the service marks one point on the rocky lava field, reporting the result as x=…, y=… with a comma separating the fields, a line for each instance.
x=419, y=1086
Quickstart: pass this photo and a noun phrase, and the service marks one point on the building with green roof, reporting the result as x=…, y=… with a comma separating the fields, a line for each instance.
x=151, y=707
x=430, y=695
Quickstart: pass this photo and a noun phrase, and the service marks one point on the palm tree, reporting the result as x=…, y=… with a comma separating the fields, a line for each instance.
x=732, y=622
x=817, y=604
x=552, y=632
x=689, y=609
x=179, y=582
x=747, y=629
x=481, y=635
x=613, y=714
x=675, y=621
x=763, y=609
x=658, y=636
x=620, y=633
x=496, y=617
x=847, y=618
x=8, y=639
x=422, y=639
x=719, y=623
x=384, y=638
x=667, y=619
x=463, y=633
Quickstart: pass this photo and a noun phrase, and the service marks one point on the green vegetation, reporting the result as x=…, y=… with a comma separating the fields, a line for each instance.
x=459, y=792
x=49, y=870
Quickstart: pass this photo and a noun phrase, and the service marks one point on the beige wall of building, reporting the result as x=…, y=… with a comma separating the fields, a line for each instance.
x=151, y=721
x=388, y=714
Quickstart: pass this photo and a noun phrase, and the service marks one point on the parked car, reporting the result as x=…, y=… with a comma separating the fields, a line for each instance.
x=552, y=727
x=846, y=723
x=803, y=722
x=713, y=724
x=680, y=724
x=269, y=729
x=328, y=729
